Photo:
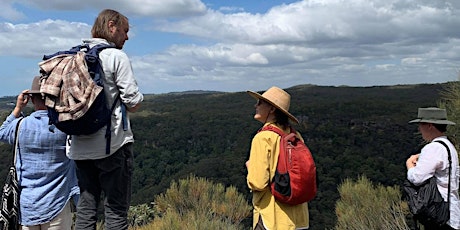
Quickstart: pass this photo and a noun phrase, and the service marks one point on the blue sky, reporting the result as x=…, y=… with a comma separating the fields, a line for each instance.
x=238, y=45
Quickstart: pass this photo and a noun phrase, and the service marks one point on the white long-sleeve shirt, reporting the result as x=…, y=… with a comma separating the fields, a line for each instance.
x=433, y=161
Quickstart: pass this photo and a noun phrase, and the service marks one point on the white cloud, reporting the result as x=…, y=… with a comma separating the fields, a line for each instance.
x=150, y=8
x=411, y=61
x=43, y=37
x=326, y=42
x=326, y=21
x=9, y=12
x=231, y=9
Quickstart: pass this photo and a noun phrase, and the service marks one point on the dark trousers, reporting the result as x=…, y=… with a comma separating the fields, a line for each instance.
x=260, y=224
x=111, y=175
x=437, y=227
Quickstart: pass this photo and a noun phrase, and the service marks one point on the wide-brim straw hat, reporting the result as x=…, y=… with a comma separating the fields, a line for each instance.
x=278, y=98
x=35, y=85
x=432, y=115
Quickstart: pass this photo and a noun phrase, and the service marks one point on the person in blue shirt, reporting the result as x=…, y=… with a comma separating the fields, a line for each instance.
x=47, y=177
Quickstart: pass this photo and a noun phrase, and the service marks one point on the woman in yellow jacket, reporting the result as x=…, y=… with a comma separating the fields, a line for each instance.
x=271, y=109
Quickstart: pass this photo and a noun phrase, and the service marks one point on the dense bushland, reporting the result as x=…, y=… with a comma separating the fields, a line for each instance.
x=351, y=131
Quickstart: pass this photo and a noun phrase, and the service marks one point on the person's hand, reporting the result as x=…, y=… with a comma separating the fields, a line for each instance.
x=21, y=102
x=247, y=164
x=23, y=99
x=412, y=161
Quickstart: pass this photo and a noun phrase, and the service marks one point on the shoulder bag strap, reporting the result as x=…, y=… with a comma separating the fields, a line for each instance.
x=449, y=157
x=16, y=140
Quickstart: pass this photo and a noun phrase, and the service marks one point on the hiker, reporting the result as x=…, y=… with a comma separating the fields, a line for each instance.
x=272, y=108
x=97, y=170
x=433, y=161
x=46, y=177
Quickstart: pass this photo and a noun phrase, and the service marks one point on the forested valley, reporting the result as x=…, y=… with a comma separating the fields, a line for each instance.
x=351, y=131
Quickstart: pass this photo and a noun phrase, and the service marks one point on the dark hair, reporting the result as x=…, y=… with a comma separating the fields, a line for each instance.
x=281, y=118
x=441, y=127
x=100, y=27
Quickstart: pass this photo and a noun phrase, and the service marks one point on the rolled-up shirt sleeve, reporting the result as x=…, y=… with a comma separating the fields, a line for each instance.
x=125, y=81
x=8, y=129
x=119, y=78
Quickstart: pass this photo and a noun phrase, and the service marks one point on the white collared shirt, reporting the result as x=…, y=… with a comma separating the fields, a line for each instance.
x=433, y=161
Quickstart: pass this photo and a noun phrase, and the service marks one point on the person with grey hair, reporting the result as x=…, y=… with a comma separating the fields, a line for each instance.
x=433, y=161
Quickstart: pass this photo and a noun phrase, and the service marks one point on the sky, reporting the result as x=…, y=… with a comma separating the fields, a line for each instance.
x=239, y=45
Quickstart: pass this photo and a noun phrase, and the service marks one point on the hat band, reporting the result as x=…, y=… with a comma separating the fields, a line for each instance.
x=432, y=118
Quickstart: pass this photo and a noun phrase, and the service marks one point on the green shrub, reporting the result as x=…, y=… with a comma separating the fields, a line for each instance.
x=450, y=100
x=365, y=206
x=140, y=215
x=196, y=203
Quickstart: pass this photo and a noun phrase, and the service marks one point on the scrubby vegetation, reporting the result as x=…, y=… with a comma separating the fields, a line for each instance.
x=450, y=100
x=351, y=131
x=195, y=204
x=363, y=205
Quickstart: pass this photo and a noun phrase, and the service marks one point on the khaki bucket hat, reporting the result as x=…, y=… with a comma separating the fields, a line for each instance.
x=278, y=98
x=432, y=115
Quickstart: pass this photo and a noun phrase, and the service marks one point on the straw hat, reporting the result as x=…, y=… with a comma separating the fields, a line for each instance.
x=432, y=115
x=278, y=98
x=35, y=85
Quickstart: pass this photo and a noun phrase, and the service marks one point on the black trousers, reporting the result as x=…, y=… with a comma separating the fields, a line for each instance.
x=436, y=227
x=260, y=225
x=111, y=175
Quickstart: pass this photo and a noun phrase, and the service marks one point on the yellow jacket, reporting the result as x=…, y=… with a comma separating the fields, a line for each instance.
x=261, y=168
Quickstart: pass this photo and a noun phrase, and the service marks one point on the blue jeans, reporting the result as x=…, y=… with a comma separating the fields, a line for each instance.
x=111, y=175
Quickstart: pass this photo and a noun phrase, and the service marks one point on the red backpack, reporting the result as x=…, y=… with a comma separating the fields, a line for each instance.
x=294, y=181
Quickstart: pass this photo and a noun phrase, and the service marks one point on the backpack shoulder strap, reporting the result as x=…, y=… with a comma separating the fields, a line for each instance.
x=281, y=164
x=94, y=65
x=95, y=50
x=292, y=136
x=92, y=60
x=449, y=157
x=273, y=129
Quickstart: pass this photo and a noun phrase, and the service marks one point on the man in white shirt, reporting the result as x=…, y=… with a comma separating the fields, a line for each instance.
x=433, y=161
x=97, y=170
